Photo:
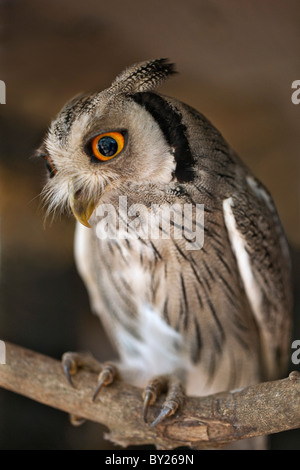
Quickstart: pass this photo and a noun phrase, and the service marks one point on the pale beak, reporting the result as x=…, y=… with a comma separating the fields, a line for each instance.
x=81, y=207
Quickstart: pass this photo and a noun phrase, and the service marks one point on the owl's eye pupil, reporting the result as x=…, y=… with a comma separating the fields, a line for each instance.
x=107, y=146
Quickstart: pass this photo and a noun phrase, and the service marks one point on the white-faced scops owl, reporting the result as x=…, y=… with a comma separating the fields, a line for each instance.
x=179, y=245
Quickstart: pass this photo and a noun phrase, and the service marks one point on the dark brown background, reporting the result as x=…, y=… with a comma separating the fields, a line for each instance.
x=237, y=61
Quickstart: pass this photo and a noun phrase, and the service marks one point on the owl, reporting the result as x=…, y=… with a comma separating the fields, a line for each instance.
x=179, y=245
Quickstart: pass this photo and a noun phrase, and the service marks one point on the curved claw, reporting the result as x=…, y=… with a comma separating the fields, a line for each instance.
x=165, y=412
x=148, y=397
x=106, y=377
x=100, y=385
x=68, y=365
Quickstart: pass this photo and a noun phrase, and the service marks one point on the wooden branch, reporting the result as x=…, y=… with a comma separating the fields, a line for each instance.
x=203, y=422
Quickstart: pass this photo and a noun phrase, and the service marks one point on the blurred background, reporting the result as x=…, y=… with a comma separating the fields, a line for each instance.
x=237, y=61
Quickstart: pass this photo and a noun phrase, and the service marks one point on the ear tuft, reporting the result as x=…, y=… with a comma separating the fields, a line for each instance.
x=144, y=76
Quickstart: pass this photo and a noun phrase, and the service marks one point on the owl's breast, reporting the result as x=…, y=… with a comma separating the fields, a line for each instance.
x=125, y=280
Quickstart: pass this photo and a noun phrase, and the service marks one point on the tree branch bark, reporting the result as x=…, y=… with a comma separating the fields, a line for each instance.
x=203, y=422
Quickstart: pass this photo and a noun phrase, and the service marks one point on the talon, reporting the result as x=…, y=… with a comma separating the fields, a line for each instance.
x=100, y=385
x=164, y=413
x=70, y=368
x=72, y=362
x=174, y=399
x=68, y=375
x=106, y=377
x=154, y=388
x=148, y=400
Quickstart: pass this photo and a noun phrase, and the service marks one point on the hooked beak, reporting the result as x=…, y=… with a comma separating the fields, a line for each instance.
x=81, y=207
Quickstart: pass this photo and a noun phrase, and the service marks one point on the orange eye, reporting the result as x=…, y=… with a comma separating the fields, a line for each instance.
x=106, y=146
x=50, y=167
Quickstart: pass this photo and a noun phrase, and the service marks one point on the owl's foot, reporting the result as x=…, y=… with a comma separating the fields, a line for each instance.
x=174, y=399
x=108, y=372
x=72, y=361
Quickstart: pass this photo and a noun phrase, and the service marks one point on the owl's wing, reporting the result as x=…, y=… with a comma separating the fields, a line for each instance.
x=260, y=248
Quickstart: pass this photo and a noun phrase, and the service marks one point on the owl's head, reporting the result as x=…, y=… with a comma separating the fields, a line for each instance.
x=124, y=134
